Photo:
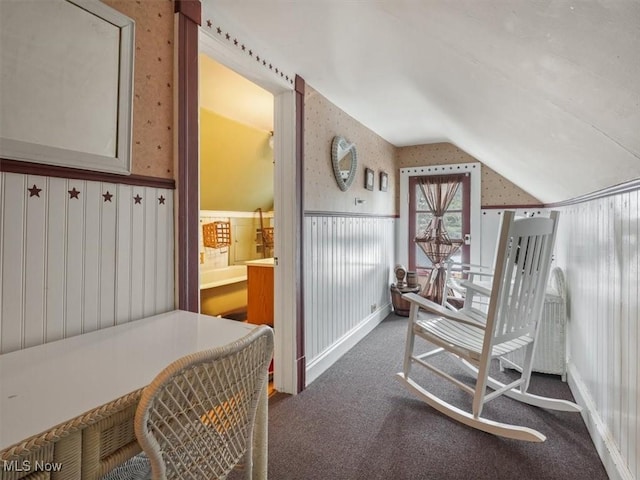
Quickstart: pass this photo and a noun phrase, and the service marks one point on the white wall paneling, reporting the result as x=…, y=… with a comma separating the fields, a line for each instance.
x=348, y=267
x=597, y=245
x=107, y=265
x=137, y=268
x=55, y=295
x=12, y=256
x=78, y=255
x=124, y=261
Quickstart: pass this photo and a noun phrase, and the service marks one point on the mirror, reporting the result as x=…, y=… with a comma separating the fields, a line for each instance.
x=344, y=160
x=66, y=84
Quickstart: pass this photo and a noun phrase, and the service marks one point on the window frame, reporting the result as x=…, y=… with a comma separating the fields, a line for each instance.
x=475, y=216
x=465, y=185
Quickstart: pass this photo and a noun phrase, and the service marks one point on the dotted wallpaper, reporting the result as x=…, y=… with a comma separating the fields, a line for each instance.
x=496, y=190
x=323, y=120
x=152, y=149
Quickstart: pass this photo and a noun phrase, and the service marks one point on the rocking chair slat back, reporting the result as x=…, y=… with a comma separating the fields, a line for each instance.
x=521, y=270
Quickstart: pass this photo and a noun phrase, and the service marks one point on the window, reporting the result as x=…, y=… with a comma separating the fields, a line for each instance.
x=456, y=221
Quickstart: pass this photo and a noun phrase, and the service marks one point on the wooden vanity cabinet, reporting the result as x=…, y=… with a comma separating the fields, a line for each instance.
x=260, y=293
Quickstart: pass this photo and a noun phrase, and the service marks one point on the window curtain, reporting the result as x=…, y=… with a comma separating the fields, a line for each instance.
x=434, y=241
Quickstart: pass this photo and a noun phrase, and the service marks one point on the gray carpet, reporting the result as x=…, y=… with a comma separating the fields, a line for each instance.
x=358, y=422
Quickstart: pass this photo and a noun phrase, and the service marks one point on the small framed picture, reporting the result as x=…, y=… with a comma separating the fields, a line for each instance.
x=369, y=178
x=384, y=181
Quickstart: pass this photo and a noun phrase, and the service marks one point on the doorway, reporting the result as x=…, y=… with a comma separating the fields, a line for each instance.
x=236, y=194
x=287, y=220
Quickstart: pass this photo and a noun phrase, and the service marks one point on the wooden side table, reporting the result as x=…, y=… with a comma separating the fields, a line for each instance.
x=400, y=305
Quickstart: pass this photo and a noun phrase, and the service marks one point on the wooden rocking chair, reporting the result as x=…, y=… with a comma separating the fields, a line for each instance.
x=511, y=323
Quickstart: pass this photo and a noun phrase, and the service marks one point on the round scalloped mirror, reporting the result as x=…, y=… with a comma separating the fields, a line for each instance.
x=344, y=160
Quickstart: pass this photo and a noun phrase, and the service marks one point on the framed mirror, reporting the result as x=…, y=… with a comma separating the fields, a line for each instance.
x=66, y=84
x=344, y=160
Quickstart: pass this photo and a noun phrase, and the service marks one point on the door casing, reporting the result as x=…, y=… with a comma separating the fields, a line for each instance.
x=287, y=210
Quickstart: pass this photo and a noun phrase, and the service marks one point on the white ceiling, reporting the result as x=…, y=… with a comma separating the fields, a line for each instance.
x=547, y=93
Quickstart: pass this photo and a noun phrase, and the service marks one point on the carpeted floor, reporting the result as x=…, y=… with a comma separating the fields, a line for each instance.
x=358, y=422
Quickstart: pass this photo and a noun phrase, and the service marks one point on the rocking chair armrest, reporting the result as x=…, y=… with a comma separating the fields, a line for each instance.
x=469, y=268
x=470, y=271
x=441, y=311
x=477, y=288
x=479, y=273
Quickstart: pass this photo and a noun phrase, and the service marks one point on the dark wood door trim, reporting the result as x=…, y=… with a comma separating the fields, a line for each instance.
x=301, y=363
x=44, y=170
x=188, y=22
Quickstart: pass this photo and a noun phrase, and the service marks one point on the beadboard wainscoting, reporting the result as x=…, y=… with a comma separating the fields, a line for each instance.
x=80, y=255
x=348, y=268
x=598, y=247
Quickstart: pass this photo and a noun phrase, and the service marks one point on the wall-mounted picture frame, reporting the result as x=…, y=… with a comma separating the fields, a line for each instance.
x=384, y=181
x=369, y=178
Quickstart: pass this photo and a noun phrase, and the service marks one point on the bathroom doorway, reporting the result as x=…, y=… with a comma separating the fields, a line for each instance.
x=236, y=194
x=284, y=221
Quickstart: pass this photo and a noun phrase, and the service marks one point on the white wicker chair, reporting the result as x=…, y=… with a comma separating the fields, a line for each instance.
x=510, y=324
x=195, y=420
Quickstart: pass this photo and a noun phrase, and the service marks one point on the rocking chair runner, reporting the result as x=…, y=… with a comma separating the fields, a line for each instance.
x=511, y=323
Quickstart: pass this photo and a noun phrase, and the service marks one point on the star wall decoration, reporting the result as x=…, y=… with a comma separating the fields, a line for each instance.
x=138, y=198
x=73, y=193
x=244, y=48
x=161, y=200
x=107, y=196
x=34, y=191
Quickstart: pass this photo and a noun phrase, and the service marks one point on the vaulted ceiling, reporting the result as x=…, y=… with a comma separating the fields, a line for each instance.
x=547, y=93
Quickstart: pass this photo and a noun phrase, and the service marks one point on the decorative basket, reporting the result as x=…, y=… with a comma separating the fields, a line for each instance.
x=267, y=237
x=216, y=234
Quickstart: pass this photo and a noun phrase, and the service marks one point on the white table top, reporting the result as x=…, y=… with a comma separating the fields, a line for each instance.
x=43, y=386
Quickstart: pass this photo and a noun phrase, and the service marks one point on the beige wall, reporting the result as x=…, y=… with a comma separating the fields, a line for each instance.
x=496, y=190
x=323, y=121
x=236, y=165
x=152, y=143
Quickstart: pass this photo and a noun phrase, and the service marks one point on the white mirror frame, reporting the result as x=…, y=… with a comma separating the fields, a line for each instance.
x=339, y=148
x=120, y=162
